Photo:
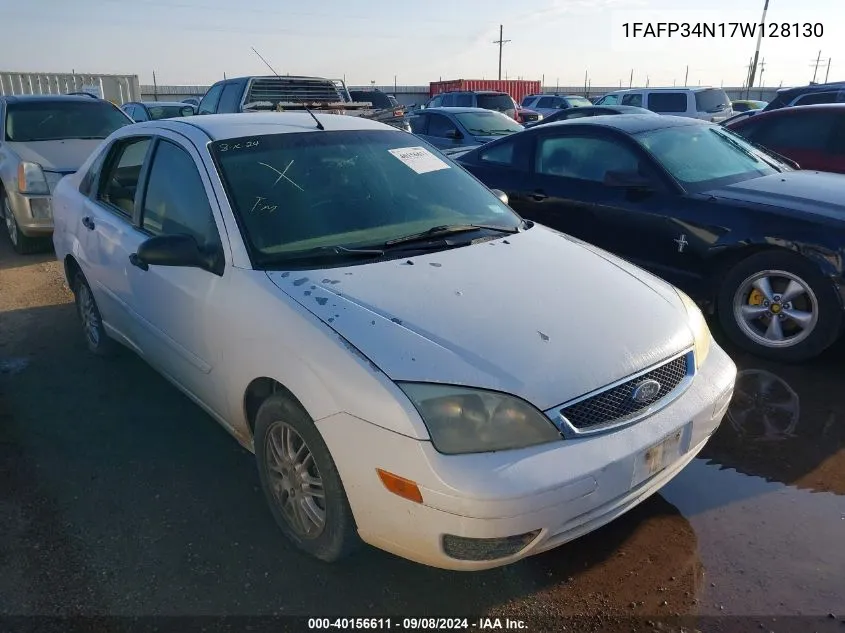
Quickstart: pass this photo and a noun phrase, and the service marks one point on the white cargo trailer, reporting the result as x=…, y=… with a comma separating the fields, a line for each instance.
x=116, y=88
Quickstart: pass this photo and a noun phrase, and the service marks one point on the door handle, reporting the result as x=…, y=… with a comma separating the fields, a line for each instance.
x=136, y=261
x=88, y=223
x=539, y=196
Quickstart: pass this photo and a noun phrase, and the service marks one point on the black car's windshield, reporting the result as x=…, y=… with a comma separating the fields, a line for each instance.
x=488, y=123
x=356, y=189
x=50, y=120
x=701, y=157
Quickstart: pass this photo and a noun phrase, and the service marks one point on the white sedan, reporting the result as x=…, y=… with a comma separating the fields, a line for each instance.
x=413, y=364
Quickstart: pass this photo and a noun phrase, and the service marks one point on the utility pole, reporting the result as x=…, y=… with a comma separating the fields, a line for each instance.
x=816, y=65
x=501, y=42
x=646, y=81
x=155, y=86
x=762, y=70
x=752, y=75
x=827, y=74
x=631, y=80
x=585, y=82
x=394, y=86
x=686, y=77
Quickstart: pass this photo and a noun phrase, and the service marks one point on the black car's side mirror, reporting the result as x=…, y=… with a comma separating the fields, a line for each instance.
x=454, y=134
x=176, y=250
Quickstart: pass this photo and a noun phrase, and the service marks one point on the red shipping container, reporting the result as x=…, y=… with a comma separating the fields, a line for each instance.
x=516, y=88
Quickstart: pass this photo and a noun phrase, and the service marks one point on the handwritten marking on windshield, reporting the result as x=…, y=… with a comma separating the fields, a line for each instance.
x=282, y=175
x=225, y=147
x=260, y=206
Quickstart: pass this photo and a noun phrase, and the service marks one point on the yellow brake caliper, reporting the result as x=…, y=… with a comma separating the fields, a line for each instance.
x=756, y=298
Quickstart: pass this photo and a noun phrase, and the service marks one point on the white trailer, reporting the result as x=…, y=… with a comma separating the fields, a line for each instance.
x=118, y=89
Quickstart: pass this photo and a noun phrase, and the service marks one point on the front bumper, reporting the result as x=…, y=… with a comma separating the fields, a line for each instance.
x=560, y=491
x=33, y=214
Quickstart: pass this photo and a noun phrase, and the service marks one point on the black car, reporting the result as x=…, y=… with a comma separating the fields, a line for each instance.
x=759, y=243
x=585, y=111
x=808, y=95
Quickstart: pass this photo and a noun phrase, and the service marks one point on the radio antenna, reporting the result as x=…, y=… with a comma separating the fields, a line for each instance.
x=316, y=120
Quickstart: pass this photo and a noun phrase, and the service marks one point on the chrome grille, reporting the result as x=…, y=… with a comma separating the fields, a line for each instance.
x=293, y=90
x=616, y=404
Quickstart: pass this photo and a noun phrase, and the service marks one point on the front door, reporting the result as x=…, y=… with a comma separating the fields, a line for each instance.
x=441, y=131
x=177, y=310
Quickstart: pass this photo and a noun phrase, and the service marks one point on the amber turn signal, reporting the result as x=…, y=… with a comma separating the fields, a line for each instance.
x=405, y=488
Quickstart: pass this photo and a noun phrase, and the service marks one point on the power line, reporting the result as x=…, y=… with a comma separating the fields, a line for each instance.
x=501, y=42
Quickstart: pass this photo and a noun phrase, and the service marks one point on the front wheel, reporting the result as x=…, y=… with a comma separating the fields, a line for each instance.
x=96, y=338
x=301, y=482
x=22, y=244
x=778, y=305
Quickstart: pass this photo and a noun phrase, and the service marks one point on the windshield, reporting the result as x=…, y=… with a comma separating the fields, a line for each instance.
x=578, y=102
x=378, y=99
x=57, y=120
x=301, y=191
x=488, y=123
x=501, y=102
x=702, y=157
x=169, y=111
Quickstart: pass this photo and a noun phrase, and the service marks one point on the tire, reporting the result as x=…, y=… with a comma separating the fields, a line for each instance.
x=99, y=343
x=338, y=535
x=23, y=245
x=803, y=337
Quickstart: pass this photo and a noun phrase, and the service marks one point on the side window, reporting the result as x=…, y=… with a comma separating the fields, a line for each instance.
x=140, y=113
x=527, y=101
x=86, y=185
x=609, y=100
x=798, y=131
x=583, y=157
x=176, y=201
x=129, y=109
x=230, y=98
x=463, y=101
x=439, y=125
x=119, y=181
x=667, y=102
x=817, y=97
x=417, y=123
x=449, y=101
x=208, y=105
x=546, y=102
x=635, y=99
x=436, y=102
x=505, y=153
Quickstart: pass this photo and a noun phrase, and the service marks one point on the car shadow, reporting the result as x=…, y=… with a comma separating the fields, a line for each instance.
x=145, y=506
x=9, y=259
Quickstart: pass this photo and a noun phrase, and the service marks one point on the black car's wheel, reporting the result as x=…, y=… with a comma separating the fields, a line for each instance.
x=22, y=244
x=301, y=482
x=98, y=341
x=778, y=305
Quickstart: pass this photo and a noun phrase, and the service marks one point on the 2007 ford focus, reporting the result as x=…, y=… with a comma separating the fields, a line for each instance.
x=413, y=365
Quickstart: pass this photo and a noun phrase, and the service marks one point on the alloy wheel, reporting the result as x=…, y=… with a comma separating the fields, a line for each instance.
x=88, y=313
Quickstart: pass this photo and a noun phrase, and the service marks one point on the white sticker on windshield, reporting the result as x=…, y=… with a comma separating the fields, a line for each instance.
x=419, y=159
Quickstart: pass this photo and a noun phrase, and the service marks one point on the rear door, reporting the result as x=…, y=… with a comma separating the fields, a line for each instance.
x=107, y=233
x=668, y=102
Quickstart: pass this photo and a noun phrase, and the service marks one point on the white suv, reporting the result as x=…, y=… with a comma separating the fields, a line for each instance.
x=709, y=104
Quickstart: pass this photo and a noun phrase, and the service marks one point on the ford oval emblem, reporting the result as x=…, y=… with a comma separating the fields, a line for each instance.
x=646, y=391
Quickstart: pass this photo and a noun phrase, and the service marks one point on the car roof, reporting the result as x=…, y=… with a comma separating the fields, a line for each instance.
x=794, y=110
x=665, y=88
x=223, y=126
x=633, y=123
x=458, y=110
x=835, y=85
x=35, y=98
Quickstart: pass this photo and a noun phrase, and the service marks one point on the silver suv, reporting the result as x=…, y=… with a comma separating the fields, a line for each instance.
x=42, y=139
x=548, y=104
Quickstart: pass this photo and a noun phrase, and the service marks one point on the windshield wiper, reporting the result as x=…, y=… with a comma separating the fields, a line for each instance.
x=739, y=147
x=448, y=229
x=324, y=252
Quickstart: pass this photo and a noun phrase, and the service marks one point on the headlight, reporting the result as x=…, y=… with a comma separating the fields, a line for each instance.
x=31, y=179
x=700, y=330
x=465, y=420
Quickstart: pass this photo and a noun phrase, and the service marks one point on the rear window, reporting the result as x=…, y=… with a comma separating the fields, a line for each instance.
x=57, y=120
x=169, y=111
x=578, y=102
x=712, y=100
x=500, y=102
x=666, y=102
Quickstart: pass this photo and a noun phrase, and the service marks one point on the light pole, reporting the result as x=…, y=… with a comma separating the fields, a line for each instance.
x=752, y=74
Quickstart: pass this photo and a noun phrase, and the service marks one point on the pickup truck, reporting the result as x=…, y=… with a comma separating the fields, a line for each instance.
x=384, y=108
x=286, y=93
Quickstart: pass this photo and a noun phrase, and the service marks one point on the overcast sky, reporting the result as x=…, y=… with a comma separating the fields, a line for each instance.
x=197, y=41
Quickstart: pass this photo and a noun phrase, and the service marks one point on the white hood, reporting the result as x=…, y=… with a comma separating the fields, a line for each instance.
x=535, y=314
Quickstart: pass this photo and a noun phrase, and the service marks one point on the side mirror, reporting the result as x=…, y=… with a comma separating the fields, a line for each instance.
x=501, y=195
x=187, y=111
x=454, y=134
x=175, y=250
x=628, y=180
